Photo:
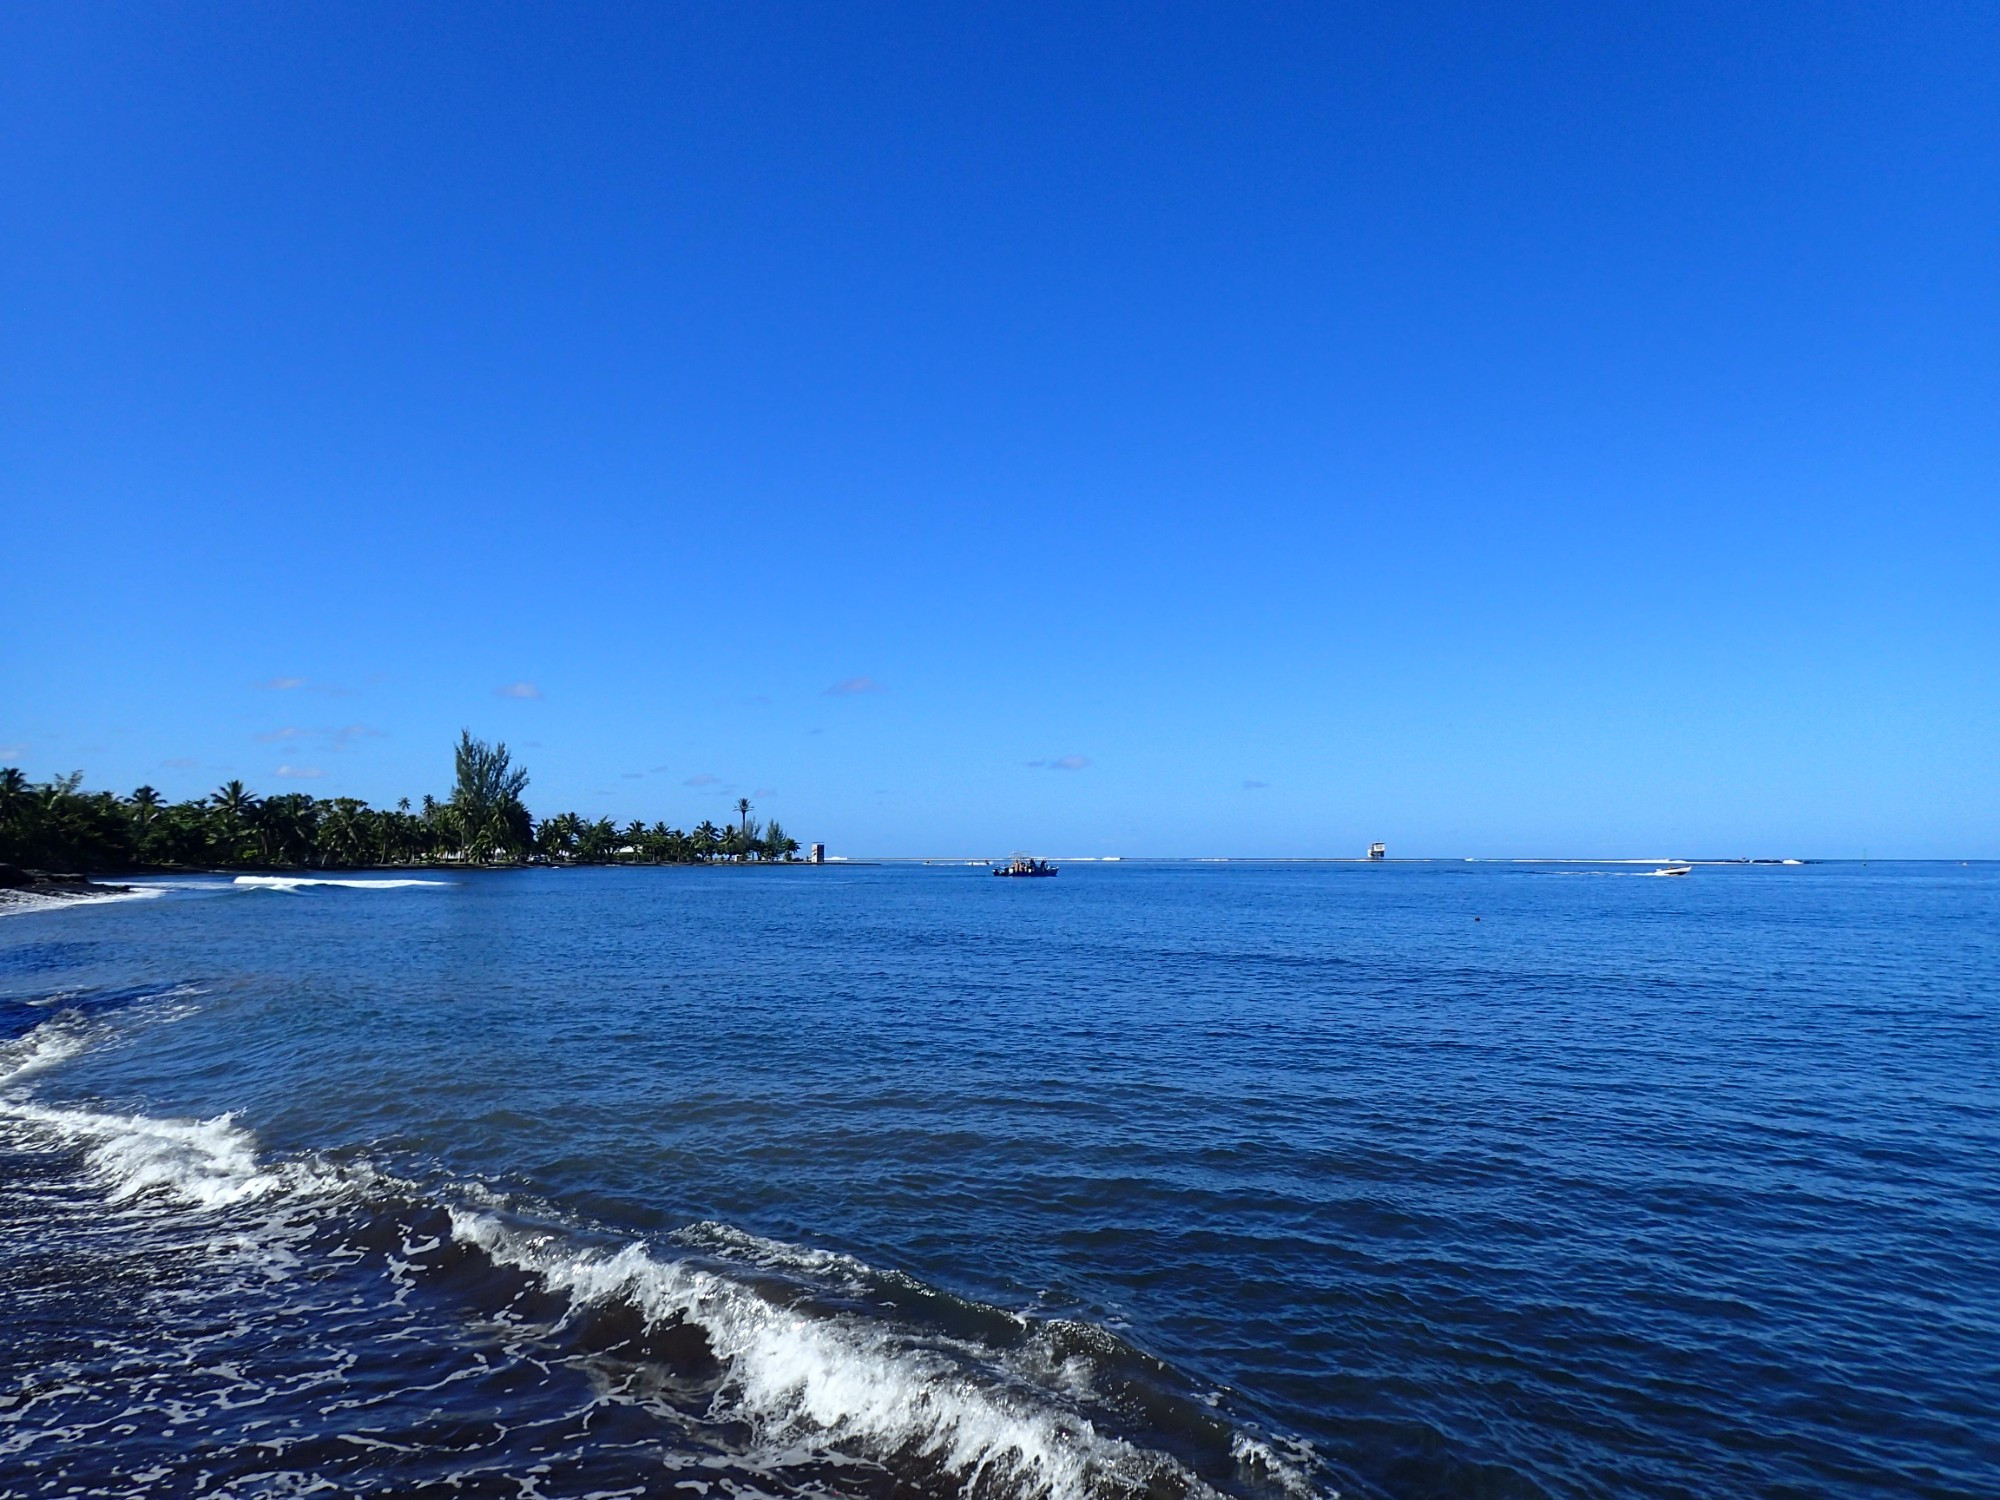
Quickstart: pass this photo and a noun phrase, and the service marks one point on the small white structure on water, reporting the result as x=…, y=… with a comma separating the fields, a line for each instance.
x=816, y=855
x=1378, y=851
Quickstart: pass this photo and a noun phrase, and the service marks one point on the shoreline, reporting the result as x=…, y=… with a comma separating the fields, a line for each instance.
x=41, y=890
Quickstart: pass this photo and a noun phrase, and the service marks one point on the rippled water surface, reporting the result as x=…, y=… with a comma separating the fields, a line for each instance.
x=1153, y=1180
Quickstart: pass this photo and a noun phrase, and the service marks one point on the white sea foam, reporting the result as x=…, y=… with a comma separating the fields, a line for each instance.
x=300, y=882
x=202, y=1164
x=17, y=903
x=69, y=1031
x=842, y=1383
x=777, y=1255
x=56, y=1039
x=209, y=1163
x=1256, y=1454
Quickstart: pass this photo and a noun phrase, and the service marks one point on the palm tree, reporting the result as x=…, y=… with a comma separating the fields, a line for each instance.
x=235, y=806
x=343, y=837
x=556, y=837
x=598, y=840
x=233, y=800
x=13, y=791
x=145, y=809
x=487, y=800
x=56, y=825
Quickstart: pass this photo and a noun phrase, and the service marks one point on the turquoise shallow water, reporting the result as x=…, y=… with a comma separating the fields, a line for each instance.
x=1154, y=1179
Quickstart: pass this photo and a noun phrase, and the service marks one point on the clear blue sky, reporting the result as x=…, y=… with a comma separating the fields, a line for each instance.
x=1252, y=430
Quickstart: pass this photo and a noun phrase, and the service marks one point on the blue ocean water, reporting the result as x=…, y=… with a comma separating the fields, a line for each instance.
x=1153, y=1180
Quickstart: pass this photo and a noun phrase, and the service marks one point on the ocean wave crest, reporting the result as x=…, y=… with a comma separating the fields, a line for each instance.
x=55, y=1040
x=796, y=1374
x=796, y=1361
x=208, y=1164
x=302, y=882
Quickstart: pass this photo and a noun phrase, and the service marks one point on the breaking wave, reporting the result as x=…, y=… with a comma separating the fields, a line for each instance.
x=798, y=1375
x=209, y=1163
x=783, y=1364
x=301, y=882
x=55, y=1040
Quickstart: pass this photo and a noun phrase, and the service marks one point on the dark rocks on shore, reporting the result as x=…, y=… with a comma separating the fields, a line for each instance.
x=51, y=883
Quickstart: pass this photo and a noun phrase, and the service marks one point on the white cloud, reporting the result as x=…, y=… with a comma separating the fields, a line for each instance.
x=701, y=779
x=1069, y=763
x=332, y=739
x=13, y=749
x=288, y=684
x=298, y=773
x=854, y=686
x=1255, y=786
x=518, y=690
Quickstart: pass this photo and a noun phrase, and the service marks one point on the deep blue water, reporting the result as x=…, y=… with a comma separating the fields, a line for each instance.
x=1416, y=1180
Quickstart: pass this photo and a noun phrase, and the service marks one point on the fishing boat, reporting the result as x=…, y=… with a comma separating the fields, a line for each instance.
x=1022, y=865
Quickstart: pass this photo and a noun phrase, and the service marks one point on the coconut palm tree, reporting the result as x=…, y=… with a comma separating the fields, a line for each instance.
x=145, y=812
x=233, y=800
x=235, y=806
x=56, y=825
x=13, y=790
x=597, y=840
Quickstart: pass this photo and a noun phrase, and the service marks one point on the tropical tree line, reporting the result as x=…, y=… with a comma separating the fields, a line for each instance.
x=57, y=825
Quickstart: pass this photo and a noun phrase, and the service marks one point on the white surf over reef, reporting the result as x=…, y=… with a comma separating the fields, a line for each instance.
x=300, y=882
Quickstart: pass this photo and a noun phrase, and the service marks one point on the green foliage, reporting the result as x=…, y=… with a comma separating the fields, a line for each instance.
x=56, y=825
x=777, y=844
x=486, y=808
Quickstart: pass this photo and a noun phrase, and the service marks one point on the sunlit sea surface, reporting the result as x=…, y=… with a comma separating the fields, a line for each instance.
x=1152, y=1180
